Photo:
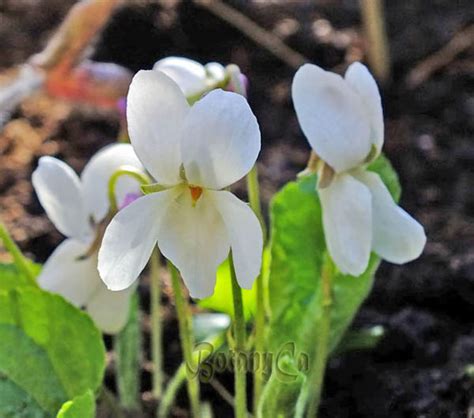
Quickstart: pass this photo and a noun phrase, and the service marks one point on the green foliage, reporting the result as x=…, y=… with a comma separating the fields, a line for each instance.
x=127, y=347
x=297, y=253
x=82, y=406
x=50, y=351
x=11, y=276
x=221, y=299
x=389, y=176
x=280, y=397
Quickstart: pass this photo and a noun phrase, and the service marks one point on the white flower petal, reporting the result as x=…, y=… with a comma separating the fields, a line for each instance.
x=60, y=193
x=397, y=237
x=63, y=273
x=221, y=140
x=359, y=77
x=215, y=71
x=110, y=309
x=96, y=175
x=130, y=238
x=332, y=117
x=188, y=74
x=194, y=239
x=245, y=236
x=347, y=220
x=156, y=109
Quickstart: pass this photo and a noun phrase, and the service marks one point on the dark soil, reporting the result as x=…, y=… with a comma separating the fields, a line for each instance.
x=427, y=307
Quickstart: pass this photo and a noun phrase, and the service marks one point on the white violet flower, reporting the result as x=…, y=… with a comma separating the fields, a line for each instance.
x=342, y=119
x=191, y=76
x=193, y=153
x=77, y=206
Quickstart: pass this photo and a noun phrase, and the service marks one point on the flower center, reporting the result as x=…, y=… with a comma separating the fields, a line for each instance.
x=196, y=193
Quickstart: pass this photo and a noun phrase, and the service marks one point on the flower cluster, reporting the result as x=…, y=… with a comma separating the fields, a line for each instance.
x=194, y=153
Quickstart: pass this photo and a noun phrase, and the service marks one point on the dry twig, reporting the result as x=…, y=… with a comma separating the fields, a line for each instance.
x=441, y=58
x=255, y=32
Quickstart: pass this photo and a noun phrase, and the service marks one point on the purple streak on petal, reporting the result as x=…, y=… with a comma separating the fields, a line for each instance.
x=245, y=82
x=129, y=198
x=122, y=107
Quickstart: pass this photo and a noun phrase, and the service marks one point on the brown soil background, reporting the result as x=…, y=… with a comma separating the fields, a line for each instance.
x=427, y=306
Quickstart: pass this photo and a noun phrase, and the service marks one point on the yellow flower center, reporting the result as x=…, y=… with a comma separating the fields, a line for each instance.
x=196, y=193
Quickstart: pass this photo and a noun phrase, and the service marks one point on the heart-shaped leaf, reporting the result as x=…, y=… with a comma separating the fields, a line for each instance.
x=50, y=352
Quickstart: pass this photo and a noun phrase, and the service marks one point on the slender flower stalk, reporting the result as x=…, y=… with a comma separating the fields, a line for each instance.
x=18, y=257
x=316, y=377
x=254, y=200
x=156, y=325
x=187, y=339
x=179, y=377
x=239, y=339
x=253, y=191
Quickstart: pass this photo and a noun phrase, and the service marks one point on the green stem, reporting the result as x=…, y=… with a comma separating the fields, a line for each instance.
x=19, y=259
x=316, y=377
x=156, y=326
x=187, y=340
x=127, y=347
x=254, y=200
x=253, y=190
x=239, y=341
x=129, y=171
x=180, y=376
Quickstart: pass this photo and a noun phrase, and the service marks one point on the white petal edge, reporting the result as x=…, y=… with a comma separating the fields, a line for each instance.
x=130, y=239
x=63, y=273
x=156, y=110
x=347, y=221
x=332, y=116
x=397, y=237
x=215, y=71
x=59, y=191
x=96, y=175
x=359, y=77
x=245, y=236
x=195, y=240
x=188, y=74
x=221, y=140
x=110, y=309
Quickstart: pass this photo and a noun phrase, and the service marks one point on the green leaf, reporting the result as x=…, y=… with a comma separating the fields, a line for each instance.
x=298, y=251
x=128, y=349
x=383, y=167
x=360, y=339
x=221, y=300
x=11, y=276
x=280, y=396
x=82, y=406
x=50, y=352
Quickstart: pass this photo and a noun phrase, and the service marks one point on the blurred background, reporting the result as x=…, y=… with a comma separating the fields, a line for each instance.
x=423, y=365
